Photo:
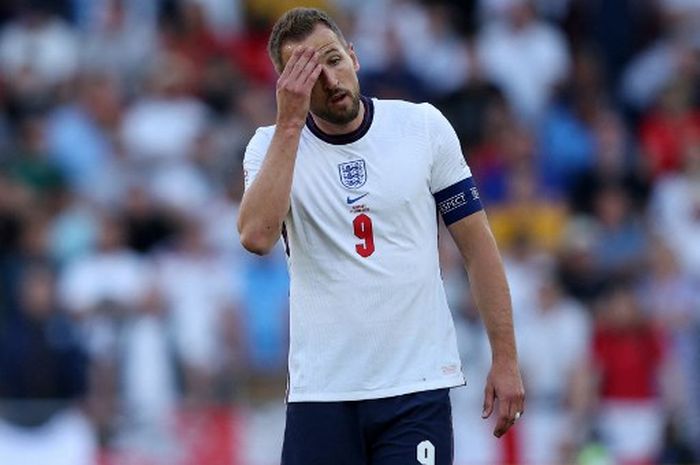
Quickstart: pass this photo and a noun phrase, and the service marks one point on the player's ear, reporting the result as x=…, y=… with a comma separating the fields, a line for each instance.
x=353, y=56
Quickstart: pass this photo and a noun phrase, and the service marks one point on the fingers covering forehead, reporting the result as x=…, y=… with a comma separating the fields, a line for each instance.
x=302, y=64
x=321, y=38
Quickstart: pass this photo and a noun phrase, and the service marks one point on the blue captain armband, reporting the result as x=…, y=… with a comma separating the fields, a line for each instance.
x=458, y=201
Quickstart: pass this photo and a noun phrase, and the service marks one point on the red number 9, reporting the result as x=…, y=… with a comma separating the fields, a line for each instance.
x=362, y=225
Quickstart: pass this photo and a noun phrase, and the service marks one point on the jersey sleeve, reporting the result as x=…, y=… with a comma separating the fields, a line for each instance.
x=255, y=154
x=451, y=180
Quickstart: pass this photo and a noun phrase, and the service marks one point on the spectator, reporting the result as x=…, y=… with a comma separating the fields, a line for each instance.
x=621, y=243
x=616, y=163
x=264, y=306
x=567, y=133
x=42, y=380
x=525, y=56
x=553, y=350
x=474, y=442
x=80, y=138
x=38, y=47
x=149, y=226
x=166, y=122
x=40, y=336
x=650, y=73
x=73, y=228
x=29, y=162
x=111, y=274
x=527, y=214
x=668, y=130
x=671, y=299
x=196, y=286
x=627, y=357
x=149, y=371
x=675, y=206
x=118, y=43
x=577, y=268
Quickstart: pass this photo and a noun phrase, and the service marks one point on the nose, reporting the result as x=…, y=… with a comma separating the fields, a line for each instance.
x=328, y=79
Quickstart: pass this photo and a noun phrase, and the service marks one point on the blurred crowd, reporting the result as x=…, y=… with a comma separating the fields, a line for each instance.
x=125, y=295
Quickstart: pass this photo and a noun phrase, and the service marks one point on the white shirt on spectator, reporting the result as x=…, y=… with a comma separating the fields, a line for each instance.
x=526, y=63
x=197, y=289
x=163, y=128
x=49, y=51
x=553, y=344
x=675, y=213
x=118, y=276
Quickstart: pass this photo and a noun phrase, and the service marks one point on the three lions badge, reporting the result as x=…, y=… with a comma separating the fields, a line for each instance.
x=353, y=174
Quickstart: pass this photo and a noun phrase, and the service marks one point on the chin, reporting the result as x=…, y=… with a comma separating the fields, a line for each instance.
x=344, y=117
x=338, y=118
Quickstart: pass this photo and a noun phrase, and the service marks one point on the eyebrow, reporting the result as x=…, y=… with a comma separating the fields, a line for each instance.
x=333, y=48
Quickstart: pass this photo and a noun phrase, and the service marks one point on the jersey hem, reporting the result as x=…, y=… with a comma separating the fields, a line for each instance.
x=375, y=394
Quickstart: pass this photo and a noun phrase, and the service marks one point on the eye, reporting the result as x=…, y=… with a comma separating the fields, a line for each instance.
x=334, y=60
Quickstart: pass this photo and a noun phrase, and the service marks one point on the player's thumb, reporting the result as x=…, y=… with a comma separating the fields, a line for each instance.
x=489, y=398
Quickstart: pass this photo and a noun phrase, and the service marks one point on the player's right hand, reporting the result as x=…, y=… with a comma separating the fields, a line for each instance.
x=294, y=87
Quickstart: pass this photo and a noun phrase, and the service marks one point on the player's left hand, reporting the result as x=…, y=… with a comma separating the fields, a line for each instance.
x=505, y=387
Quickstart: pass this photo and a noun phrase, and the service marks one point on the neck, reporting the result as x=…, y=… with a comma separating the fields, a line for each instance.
x=338, y=129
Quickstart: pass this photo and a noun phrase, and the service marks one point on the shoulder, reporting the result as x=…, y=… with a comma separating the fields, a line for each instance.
x=410, y=114
x=260, y=140
x=403, y=107
x=262, y=134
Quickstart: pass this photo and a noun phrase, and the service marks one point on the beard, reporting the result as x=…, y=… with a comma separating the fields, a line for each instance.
x=340, y=115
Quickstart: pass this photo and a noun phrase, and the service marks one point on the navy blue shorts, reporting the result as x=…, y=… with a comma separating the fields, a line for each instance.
x=403, y=430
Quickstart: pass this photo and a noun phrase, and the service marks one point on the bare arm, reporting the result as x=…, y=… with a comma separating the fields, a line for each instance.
x=266, y=202
x=492, y=297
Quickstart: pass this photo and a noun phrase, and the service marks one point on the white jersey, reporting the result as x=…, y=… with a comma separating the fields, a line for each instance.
x=368, y=312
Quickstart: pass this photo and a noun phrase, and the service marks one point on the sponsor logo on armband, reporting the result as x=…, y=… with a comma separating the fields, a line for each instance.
x=475, y=193
x=458, y=200
x=452, y=203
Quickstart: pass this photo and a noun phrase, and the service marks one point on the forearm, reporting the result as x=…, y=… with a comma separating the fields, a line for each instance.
x=490, y=290
x=492, y=298
x=266, y=202
x=488, y=283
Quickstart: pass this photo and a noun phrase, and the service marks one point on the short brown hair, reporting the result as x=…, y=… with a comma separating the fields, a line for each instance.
x=296, y=25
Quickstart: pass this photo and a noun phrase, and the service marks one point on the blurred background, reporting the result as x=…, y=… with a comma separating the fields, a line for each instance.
x=135, y=330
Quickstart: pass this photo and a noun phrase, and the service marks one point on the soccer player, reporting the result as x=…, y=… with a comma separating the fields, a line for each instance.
x=353, y=185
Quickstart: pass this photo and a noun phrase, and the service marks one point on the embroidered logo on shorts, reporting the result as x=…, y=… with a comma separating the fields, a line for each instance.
x=353, y=174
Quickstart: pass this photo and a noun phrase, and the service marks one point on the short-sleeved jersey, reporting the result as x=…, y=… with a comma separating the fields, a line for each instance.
x=368, y=312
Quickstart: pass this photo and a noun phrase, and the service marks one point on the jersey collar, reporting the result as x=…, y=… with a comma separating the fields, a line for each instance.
x=342, y=139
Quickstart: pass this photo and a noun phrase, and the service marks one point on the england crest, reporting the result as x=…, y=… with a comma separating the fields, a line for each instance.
x=353, y=174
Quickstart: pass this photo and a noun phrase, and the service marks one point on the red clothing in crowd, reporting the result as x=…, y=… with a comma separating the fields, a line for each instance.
x=628, y=360
x=664, y=137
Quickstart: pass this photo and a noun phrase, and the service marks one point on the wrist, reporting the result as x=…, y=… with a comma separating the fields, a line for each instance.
x=505, y=359
x=290, y=127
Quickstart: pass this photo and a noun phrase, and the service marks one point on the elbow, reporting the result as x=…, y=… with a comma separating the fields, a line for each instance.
x=256, y=236
x=256, y=243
